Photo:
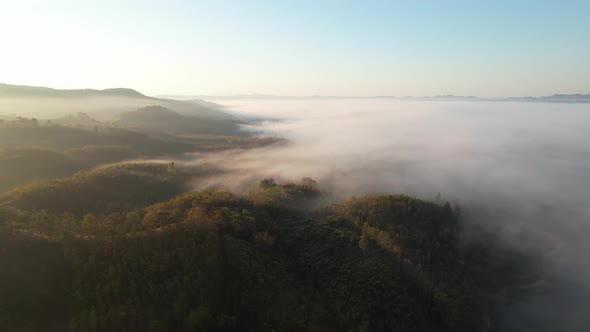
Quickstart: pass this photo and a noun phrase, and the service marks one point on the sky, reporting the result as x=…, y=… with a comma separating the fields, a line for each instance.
x=337, y=48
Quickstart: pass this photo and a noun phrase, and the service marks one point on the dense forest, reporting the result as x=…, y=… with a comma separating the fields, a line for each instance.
x=283, y=257
x=161, y=119
x=33, y=150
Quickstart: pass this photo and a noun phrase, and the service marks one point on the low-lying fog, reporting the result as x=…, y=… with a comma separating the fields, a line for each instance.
x=521, y=166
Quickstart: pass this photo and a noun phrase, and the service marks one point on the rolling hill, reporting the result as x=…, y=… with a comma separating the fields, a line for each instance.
x=45, y=103
x=163, y=120
x=214, y=261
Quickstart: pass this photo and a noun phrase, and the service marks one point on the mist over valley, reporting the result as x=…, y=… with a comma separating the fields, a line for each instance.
x=294, y=166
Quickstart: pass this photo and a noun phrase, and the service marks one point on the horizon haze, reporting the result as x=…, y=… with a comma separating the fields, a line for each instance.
x=368, y=48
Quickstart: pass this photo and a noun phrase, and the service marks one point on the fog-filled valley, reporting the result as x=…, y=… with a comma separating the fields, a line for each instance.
x=518, y=168
x=294, y=166
x=124, y=212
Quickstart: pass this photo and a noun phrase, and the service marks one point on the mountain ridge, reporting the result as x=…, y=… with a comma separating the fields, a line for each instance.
x=41, y=91
x=46, y=103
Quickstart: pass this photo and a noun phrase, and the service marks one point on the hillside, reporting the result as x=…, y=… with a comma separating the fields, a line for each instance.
x=33, y=150
x=78, y=119
x=30, y=164
x=215, y=261
x=46, y=103
x=62, y=138
x=161, y=119
x=9, y=90
x=108, y=189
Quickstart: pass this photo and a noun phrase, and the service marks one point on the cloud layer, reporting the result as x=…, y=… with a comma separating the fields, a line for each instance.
x=525, y=164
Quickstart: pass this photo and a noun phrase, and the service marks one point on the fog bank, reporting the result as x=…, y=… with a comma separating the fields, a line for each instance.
x=525, y=165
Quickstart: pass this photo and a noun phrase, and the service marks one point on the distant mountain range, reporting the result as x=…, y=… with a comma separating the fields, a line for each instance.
x=556, y=98
x=197, y=102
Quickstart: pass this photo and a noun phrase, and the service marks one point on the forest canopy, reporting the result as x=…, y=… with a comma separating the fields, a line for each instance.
x=283, y=257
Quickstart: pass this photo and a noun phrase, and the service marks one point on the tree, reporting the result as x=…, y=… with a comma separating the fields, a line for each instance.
x=364, y=241
x=457, y=208
x=89, y=223
x=267, y=183
x=200, y=320
x=171, y=169
x=309, y=182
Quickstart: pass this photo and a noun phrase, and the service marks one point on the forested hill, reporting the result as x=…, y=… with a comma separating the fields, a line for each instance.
x=32, y=150
x=42, y=102
x=164, y=120
x=9, y=90
x=281, y=258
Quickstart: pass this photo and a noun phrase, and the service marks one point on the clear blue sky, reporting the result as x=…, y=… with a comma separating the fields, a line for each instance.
x=485, y=48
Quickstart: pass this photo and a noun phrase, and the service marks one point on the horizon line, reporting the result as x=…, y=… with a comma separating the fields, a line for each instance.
x=270, y=96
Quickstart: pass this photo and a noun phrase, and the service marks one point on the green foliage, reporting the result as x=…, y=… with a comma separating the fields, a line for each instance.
x=23, y=165
x=294, y=196
x=114, y=188
x=214, y=261
x=30, y=152
x=93, y=155
x=267, y=183
x=160, y=119
x=364, y=241
x=171, y=169
x=200, y=320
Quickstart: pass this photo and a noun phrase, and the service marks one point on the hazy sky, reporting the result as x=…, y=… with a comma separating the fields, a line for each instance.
x=486, y=48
